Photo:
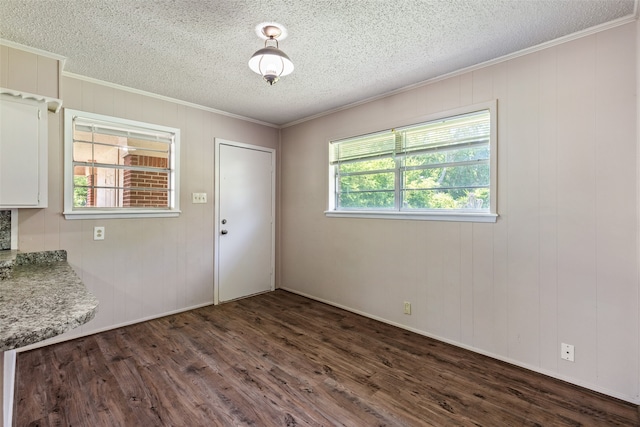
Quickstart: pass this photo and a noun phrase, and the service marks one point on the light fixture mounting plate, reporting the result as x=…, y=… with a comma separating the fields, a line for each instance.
x=265, y=30
x=271, y=31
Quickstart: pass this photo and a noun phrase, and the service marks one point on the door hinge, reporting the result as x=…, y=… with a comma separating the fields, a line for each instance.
x=39, y=114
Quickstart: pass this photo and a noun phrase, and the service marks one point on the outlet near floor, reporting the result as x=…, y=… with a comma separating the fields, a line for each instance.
x=566, y=352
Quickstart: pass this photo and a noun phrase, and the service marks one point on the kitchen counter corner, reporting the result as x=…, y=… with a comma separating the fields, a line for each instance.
x=42, y=298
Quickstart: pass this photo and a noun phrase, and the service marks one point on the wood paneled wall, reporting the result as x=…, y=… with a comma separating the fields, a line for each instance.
x=559, y=265
x=144, y=268
x=29, y=72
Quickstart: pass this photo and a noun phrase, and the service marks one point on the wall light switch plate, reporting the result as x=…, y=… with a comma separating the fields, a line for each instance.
x=198, y=197
x=407, y=307
x=98, y=233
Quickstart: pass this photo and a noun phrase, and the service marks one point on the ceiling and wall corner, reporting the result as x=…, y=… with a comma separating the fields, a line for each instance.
x=345, y=51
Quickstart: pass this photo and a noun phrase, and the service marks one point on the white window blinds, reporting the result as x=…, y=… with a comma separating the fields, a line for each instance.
x=131, y=132
x=453, y=133
x=448, y=134
x=367, y=147
x=437, y=165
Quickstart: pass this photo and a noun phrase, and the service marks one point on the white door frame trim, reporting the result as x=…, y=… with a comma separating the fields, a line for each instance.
x=216, y=229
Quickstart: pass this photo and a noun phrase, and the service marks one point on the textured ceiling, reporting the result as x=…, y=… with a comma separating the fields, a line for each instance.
x=343, y=51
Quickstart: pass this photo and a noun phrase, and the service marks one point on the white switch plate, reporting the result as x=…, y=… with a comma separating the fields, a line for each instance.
x=407, y=307
x=98, y=233
x=199, y=197
x=567, y=352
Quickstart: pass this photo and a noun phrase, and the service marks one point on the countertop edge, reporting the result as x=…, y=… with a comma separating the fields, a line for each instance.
x=42, y=298
x=46, y=332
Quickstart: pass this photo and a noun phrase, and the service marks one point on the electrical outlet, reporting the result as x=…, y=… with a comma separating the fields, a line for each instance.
x=407, y=307
x=199, y=197
x=567, y=352
x=98, y=233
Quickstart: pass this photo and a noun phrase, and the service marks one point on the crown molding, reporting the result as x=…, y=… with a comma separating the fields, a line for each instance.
x=166, y=98
x=64, y=73
x=33, y=50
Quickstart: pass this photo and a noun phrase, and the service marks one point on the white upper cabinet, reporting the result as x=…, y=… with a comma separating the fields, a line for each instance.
x=23, y=151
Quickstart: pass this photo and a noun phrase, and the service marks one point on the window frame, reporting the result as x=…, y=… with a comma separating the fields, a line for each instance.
x=398, y=212
x=71, y=212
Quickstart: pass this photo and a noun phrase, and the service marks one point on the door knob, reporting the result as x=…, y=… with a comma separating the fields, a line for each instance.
x=223, y=232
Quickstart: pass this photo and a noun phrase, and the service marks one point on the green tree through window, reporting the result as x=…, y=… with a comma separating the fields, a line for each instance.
x=439, y=165
x=80, y=183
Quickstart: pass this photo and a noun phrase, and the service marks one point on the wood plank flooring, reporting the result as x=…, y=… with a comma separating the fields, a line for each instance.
x=279, y=359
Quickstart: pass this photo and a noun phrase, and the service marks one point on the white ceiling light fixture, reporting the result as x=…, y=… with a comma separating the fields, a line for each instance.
x=270, y=62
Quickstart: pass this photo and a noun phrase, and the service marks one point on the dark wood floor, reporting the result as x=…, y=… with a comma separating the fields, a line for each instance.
x=278, y=359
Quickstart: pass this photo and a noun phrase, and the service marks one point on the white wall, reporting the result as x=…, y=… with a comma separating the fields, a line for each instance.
x=560, y=264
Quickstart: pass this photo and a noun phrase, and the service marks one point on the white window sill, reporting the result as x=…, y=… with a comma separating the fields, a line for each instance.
x=457, y=216
x=106, y=214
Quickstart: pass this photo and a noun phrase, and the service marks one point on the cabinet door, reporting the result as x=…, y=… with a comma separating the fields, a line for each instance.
x=21, y=136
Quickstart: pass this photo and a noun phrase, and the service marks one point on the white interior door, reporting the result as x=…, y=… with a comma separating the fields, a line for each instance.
x=245, y=228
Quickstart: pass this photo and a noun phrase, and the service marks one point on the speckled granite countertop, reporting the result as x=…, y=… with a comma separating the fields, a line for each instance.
x=7, y=261
x=41, y=298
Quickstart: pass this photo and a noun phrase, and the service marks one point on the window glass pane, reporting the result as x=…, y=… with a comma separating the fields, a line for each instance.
x=148, y=148
x=466, y=176
x=150, y=154
x=97, y=153
x=146, y=198
x=82, y=151
x=368, y=165
x=367, y=199
x=476, y=199
x=97, y=187
x=109, y=139
x=80, y=183
x=106, y=177
x=107, y=154
x=378, y=181
x=422, y=178
x=470, y=175
x=104, y=197
x=135, y=159
x=120, y=188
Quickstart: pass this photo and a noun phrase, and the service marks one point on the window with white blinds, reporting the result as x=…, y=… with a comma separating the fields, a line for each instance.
x=442, y=168
x=119, y=168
